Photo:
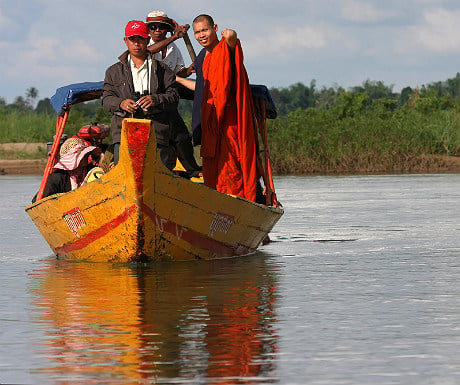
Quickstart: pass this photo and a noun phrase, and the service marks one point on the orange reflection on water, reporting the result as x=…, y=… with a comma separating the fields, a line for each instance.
x=240, y=335
x=91, y=313
x=175, y=321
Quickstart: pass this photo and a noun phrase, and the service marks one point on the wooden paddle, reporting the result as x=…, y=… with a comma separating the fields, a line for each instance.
x=188, y=43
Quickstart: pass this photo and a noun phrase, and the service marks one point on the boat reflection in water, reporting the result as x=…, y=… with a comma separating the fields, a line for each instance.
x=163, y=322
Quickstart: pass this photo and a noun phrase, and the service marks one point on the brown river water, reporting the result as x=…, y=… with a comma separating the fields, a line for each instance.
x=359, y=286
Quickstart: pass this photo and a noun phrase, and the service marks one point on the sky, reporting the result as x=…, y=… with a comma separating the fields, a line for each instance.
x=47, y=44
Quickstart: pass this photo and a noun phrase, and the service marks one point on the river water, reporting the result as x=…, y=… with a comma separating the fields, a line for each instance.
x=359, y=286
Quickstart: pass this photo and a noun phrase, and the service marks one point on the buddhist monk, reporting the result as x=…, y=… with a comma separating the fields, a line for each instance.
x=223, y=112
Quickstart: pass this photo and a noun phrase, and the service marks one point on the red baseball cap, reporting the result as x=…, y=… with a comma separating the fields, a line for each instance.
x=136, y=28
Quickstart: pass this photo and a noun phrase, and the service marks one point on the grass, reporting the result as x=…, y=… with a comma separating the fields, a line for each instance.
x=317, y=141
x=38, y=153
x=27, y=127
x=307, y=141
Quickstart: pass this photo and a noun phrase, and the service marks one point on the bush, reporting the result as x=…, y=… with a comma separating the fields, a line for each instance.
x=353, y=138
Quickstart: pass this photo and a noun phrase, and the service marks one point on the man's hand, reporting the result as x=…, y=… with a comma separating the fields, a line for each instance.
x=180, y=31
x=145, y=102
x=131, y=106
x=186, y=71
x=190, y=70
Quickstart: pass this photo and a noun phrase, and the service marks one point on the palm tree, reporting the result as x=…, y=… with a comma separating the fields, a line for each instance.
x=31, y=95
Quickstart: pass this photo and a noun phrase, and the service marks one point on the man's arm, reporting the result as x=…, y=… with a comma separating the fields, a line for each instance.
x=111, y=98
x=188, y=83
x=161, y=45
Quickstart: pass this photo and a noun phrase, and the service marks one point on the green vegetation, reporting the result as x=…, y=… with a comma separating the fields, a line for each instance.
x=365, y=129
x=20, y=122
x=368, y=128
x=375, y=140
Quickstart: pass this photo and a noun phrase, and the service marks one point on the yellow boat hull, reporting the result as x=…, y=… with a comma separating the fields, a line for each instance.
x=140, y=211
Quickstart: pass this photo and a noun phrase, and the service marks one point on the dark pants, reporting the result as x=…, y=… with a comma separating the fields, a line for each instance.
x=182, y=144
x=184, y=151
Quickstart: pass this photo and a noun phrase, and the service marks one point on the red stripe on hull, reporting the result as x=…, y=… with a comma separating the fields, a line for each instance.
x=164, y=225
x=96, y=234
x=194, y=238
x=138, y=135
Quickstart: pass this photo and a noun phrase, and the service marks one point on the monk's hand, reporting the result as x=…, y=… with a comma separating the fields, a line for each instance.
x=230, y=36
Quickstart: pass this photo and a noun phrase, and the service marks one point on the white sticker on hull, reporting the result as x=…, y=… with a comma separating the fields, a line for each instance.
x=221, y=223
x=75, y=221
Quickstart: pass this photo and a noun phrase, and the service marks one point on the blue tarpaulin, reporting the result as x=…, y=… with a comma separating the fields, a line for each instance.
x=75, y=93
x=261, y=91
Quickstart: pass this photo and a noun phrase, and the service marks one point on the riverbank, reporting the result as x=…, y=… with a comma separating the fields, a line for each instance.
x=22, y=158
x=22, y=167
x=15, y=160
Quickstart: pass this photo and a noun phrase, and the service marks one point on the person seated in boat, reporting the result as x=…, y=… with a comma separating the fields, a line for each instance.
x=93, y=134
x=223, y=112
x=166, y=51
x=141, y=87
x=77, y=165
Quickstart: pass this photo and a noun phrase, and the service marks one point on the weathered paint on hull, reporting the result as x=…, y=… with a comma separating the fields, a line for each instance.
x=140, y=211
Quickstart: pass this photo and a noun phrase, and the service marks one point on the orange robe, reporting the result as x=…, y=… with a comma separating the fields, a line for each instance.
x=228, y=142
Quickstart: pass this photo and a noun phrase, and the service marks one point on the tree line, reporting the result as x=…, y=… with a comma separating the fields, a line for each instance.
x=436, y=95
x=440, y=94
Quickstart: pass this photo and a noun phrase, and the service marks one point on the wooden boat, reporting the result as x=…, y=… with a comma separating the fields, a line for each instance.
x=141, y=211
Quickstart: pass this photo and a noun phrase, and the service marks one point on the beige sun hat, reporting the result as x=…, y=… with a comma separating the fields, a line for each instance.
x=160, y=17
x=72, y=151
x=71, y=143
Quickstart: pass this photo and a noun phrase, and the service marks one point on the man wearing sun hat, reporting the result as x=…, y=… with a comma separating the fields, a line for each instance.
x=140, y=86
x=165, y=50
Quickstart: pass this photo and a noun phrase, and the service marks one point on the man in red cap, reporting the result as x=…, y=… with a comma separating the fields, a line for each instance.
x=140, y=86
